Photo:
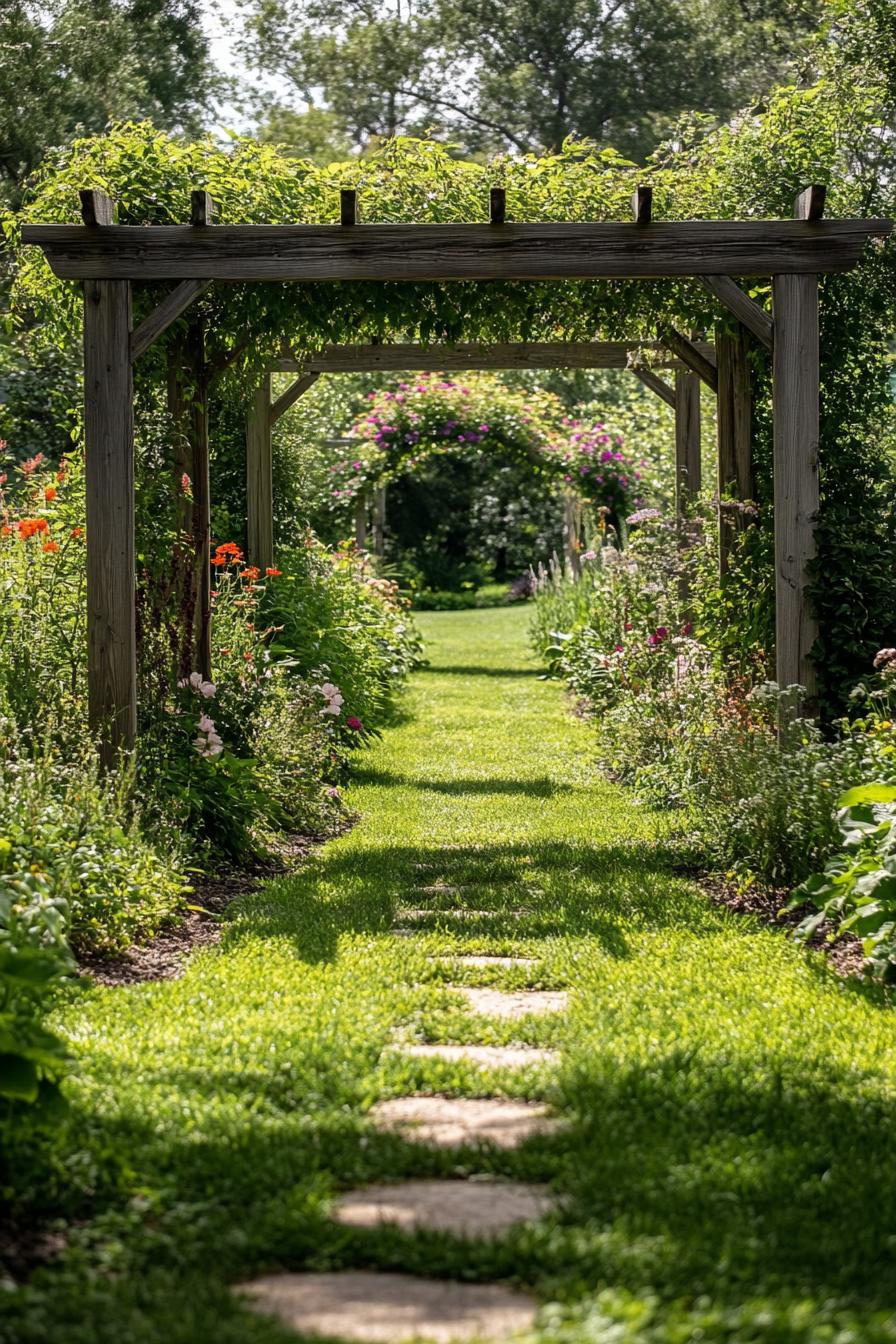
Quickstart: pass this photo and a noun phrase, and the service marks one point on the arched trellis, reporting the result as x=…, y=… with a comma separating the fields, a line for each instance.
x=641, y=358
x=110, y=258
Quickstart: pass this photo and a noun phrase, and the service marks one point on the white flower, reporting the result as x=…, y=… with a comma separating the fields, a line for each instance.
x=209, y=742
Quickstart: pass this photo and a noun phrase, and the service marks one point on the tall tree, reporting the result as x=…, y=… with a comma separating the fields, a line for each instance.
x=525, y=74
x=69, y=67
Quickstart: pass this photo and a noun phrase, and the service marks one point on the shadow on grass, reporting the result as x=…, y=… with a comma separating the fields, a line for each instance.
x=541, y=890
x=532, y=788
x=476, y=670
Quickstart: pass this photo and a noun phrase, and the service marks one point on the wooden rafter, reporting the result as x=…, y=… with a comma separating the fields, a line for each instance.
x=164, y=314
x=438, y=252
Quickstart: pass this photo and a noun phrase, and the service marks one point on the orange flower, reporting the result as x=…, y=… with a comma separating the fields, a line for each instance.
x=77, y=532
x=273, y=573
x=230, y=551
x=50, y=493
x=248, y=657
x=219, y=559
x=5, y=530
x=50, y=546
x=29, y=526
x=250, y=573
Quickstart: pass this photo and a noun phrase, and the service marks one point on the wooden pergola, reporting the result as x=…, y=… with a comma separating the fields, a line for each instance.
x=109, y=259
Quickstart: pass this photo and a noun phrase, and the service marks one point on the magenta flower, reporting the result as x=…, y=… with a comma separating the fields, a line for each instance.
x=354, y=723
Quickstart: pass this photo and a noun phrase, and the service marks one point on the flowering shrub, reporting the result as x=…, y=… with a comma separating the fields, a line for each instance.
x=680, y=731
x=596, y=466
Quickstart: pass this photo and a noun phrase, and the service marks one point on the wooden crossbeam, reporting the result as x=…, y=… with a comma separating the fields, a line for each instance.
x=656, y=384
x=440, y=252
x=162, y=316
x=642, y=205
x=292, y=394
x=745, y=309
x=442, y=359
x=699, y=361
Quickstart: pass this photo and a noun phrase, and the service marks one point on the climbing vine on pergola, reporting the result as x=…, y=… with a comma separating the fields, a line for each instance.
x=110, y=259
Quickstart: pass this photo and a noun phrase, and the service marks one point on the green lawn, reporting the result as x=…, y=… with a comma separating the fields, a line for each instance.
x=728, y=1167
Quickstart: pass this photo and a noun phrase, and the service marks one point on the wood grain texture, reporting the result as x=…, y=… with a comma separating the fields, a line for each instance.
x=809, y=205
x=453, y=251
x=164, y=314
x=202, y=209
x=734, y=436
x=745, y=309
x=796, y=430
x=379, y=521
x=191, y=574
x=656, y=384
x=109, y=442
x=688, y=466
x=448, y=358
x=292, y=394
x=97, y=209
x=361, y=523
x=693, y=356
x=259, y=478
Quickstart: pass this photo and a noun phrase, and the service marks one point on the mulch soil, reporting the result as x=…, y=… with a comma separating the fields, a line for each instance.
x=165, y=956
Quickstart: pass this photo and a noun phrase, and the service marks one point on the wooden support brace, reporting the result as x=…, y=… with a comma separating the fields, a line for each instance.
x=348, y=208
x=497, y=205
x=748, y=312
x=703, y=364
x=642, y=205
x=223, y=361
x=111, y=587
x=796, y=432
x=656, y=384
x=292, y=394
x=259, y=478
x=164, y=314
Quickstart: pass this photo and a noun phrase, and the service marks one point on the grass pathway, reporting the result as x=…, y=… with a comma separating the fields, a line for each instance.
x=724, y=1164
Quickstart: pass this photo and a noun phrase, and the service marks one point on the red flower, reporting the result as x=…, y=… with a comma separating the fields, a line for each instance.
x=77, y=532
x=51, y=546
x=219, y=559
x=354, y=723
x=50, y=493
x=250, y=573
x=273, y=573
x=186, y=484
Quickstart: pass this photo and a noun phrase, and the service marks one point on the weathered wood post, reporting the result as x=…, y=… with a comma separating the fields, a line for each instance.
x=109, y=456
x=259, y=478
x=734, y=434
x=571, y=533
x=796, y=432
x=379, y=521
x=361, y=522
x=688, y=463
x=188, y=404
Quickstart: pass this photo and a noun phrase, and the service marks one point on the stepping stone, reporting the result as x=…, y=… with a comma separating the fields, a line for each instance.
x=479, y=1208
x=494, y=1056
x=453, y=1122
x=519, y=1003
x=367, y=1308
x=464, y=912
x=487, y=961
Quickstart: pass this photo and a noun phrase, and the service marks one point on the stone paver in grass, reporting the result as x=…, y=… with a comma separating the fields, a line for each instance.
x=493, y=1056
x=463, y=912
x=514, y=1003
x=451, y=1122
x=478, y=1208
x=367, y=1308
